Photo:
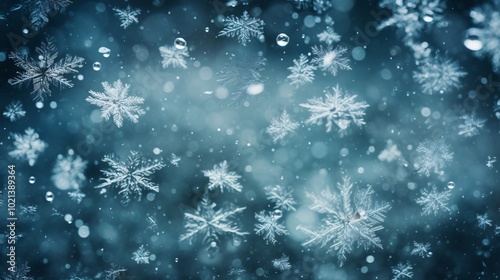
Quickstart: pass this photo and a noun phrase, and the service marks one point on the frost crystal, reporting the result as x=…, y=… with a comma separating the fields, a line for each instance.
x=433, y=201
x=338, y=108
x=114, y=101
x=302, y=72
x=77, y=196
x=221, y=178
x=483, y=221
x=244, y=28
x=174, y=160
x=282, y=263
x=402, y=271
x=421, y=249
x=433, y=156
x=127, y=16
x=27, y=146
x=113, y=273
x=174, y=57
x=131, y=177
x=45, y=70
x=319, y=6
x=350, y=217
x=27, y=211
x=390, y=153
x=328, y=36
x=268, y=226
x=280, y=127
x=437, y=74
x=68, y=172
x=14, y=111
x=141, y=255
x=470, y=126
x=20, y=273
x=41, y=10
x=281, y=196
x=330, y=59
x=491, y=161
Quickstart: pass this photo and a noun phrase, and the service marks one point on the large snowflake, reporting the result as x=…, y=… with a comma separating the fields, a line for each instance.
x=244, y=28
x=68, y=172
x=44, y=71
x=338, y=108
x=437, y=74
x=114, y=101
x=221, y=178
x=330, y=59
x=350, y=217
x=433, y=201
x=27, y=146
x=281, y=127
x=434, y=155
x=302, y=72
x=131, y=177
x=127, y=16
x=174, y=57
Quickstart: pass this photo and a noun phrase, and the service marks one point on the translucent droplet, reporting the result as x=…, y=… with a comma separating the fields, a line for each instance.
x=207, y=29
x=105, y=51
x=277, y=214
x=32, y=179
x=236, y=241
x=49, y=196
x=451, y=185
x=96, y=66
x=282, y=39
x=176, y=260
x=25, y=31
x=472, y=41
x=213, y=250
x=180, y=43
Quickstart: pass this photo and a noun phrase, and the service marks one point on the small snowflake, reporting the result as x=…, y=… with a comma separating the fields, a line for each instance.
x=244, y=28
x=282, y=263
x=174, y=160
x=390, y=153
x=433, y=201
x=68, y=172
x=141, y=255
x=174, y=57
x=328, y=36
x=113, y=273
x=14, y=111
x=27, y=146
x=491, y=161
x=483, y=221
x=127, y=16
x=281, y=197
x=401, y=271
x=281, y=127
x=470, y=126
x=302, y=72
x=437, y=74
x=221, y=178
x=77, y=196
x=20, y=273
x=421, y=249
x=268, y=226
x=434, y=155
x=330, y=59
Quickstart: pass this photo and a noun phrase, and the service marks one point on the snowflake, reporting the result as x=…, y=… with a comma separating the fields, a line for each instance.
x=77, y=196
x=41, y=10
x=338, y=108
x=281, y=196
x=491, y=161
x=45, y=71
x=127, y=16
x=236, y=271
x=221, y=178
x=319, y=6
x=280, y=127
x=27, y=211
x=114, y=101
x=433, y=201
x=244, y=28
x=268, y=226
x=421, y=249
x=174, y=160
x=401, y=271
x=27, y=146
x=470, y=126
x=113, y=273
x=302, y=72
x=390, y=153
x=209, y=223
x=152, y=223
x=282, y=263
x=330, y=59
x=14, y=111
x=497, y=230
x=433, y=156
x=328, y=36
x=141, y=255
x=350, y=218
x=483, y=221
x=437, y=74
x=20, y=273
x=131, y=177
x=174, y=57
x=68, y=172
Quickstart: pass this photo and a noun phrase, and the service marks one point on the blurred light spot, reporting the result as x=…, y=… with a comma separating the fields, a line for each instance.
x=358, y=53
x=84, y=231
x=168, y=87
x=425, y=111
x=319, y=150
x=205, y=73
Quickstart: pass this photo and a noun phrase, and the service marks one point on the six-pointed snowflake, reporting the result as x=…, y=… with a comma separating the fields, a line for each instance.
x=244, y=28
x=330, y=59
x=433, y=201
x=470, y=126
x=302, y=72
x=401, y=271
x=434, y=155
x=281, y=197
x=421, y=249
x=282, y=263
x=437, y=74
x=174, y=57
x=127, y=16
x=328, y=36
x=14, y=111
x=68, y=172
x=483, y=221
x=269, y=226
x=141, y=255
x=281, y=127
x=27, y=146
x=223, y=179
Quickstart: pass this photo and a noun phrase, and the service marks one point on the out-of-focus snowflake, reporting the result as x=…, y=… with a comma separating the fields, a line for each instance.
x=174, y=57
x=27, y=211
x=433, y=201
x=269, y=226
x=141, y=255
x=45, y=70
x=20, y=273
x=281, y=127
x=350, y=218
x=115, y=102
x=113, y=273
x=39, y=11
x=330, y=59
x=434, y=155
x=483, y=221
x=338, y=108
x=236, y=271
x=497, y=230
x=127, y=16
x=131, y=177
x=402, y=271
x=302, y=72
x=152, y=223
x=491, y=161
x=438, y=74
x=244, y=27
x=220, y=177
x=390, y=153
x=328, y=36
x=282, y=263
x=319, y=6
x=470, y=126
x=174, y=159
x=77, y=196
x=14, y=111
x=281, y=196
x=27, y=146
x=208, y=223
x=421, y=249
x=68, y=172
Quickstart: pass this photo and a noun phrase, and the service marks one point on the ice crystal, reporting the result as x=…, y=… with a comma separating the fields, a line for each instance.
x=281, y=197
x=350, y=217
x=115, y=102
x=14, y=111
x=244, y=28
x=27, y=146
x=268, y=226
x=433, y=201
x=438, y=74
x=281, y=127
x=497, y=230
x=39, y=11
x=131, y=177
x=220, y=177
x=402, y=271
x=302, y=72
x=141, y=255
x=483, y=221
x=328, y=36
x=390, y=153
x=470, y=126
x=152, y=223
x=68, y=172
x=319, y=6
x=127, y=16
x=282, y=263
x=491, y=161
x=113, y=273
x=174, y=57
x=45, y=70
x=421, y=249
x=174, y=159
x=27, y=211
x=330, y=59
x=338, y=108
x=433, y=156
x=77, y=196
x=20, y=273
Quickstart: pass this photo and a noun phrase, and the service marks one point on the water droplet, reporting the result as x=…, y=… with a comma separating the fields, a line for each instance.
x=32, y=180
x=277, y=214
x=96, y=66
x=236, y=241
x=25, y=31
x=180, y=43
x=451, y=185
x=282, y=39
x=207, y=29
x=472, y=41
x=105, y=51
x=176, y=260
x=49, y=196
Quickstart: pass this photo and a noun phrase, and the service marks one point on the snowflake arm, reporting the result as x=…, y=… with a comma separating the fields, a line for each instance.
x=244, y=28
x=127, y=16
x=302, y=72
x=268, y=226
x=174, y=57
x=41, y=10
x=28, y=146
x=282, y=126
x=220, y=178
x=330, y=59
